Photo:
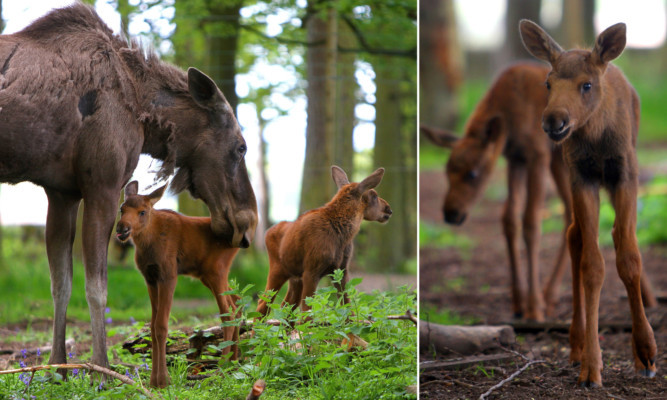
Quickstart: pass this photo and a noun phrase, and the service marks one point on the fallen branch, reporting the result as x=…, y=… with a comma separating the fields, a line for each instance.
x=407, y=316
x=87, y=366
x=509, y=378
x=463, y=339
x=459, y=362
x=41, y=350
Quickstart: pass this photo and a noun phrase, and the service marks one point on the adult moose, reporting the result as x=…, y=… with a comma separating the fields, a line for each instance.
x=594, y=112
x=77, y=107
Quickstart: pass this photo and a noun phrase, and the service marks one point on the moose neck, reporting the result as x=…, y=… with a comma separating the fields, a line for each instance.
x=345, y=216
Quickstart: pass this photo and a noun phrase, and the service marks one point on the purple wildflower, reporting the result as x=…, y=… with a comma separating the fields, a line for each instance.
x=24, y=353
x=107, y=310
x=71, y=354
x=133, y=321
x=39, y=352
x=21, y=363
x=108, y=320
x=25, y=378
x=75, y=372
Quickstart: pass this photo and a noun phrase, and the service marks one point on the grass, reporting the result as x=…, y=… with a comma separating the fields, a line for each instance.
x=312, y=365
x=443, y=316
x=442, y=236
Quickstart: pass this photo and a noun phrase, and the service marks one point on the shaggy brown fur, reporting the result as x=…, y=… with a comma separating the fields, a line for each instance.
x=77, y=107
x=320, y=240
x=168, y=244
x=594, y=112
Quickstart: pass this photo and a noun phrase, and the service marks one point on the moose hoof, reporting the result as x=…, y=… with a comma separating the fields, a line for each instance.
x=589, y=384
x=647, y=373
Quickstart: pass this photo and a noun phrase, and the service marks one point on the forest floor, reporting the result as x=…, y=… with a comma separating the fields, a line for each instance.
x=474, y=283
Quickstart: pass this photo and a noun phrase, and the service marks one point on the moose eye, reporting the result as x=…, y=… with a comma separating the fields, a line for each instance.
x=548, y=85
x=470, y=176
x=142, y=213
x=586, y=87
x=242, y=149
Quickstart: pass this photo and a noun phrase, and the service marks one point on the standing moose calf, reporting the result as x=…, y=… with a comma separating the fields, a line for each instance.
x=320, y=241
x=594, y=112
x=169, y=244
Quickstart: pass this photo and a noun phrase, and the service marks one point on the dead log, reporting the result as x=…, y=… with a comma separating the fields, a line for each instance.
x=463, y=340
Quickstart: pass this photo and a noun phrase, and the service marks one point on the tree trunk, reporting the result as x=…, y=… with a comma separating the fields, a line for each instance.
x=441, y=64
x=513, y=48
x=124, y=9
x=317, y=187
x=346, y=88
x=386, y=247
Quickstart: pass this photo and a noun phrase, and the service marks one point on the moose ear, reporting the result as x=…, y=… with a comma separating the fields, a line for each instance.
x=439, y=137
x=609, y=44
x=339, y=176
x=204, y=91
x=538, y=42
x=131, y=189
x=493, y=129
x=371, y=181
x=156, y=195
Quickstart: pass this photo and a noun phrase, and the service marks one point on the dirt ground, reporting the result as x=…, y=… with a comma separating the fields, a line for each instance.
x=483, y=292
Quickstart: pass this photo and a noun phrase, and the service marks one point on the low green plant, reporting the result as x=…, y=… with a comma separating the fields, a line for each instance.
x=443, y=316
x=442, y=236
x=310, y=363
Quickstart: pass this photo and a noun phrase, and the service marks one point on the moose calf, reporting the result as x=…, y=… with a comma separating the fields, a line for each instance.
x=594, y=112
x=320, y=241
x=169, y=244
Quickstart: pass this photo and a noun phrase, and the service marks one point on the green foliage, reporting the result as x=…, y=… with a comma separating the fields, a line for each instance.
x=443, y=236
x=443, y=316
x=311, y=364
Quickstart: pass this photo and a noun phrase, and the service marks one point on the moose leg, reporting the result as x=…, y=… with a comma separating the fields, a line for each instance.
x=98, y=219
x=309, y=281
x=60, y=230
x=510, y=219
x=532, y=230
x=340, y=287
x=153, y=295
x=294, y=289
x=160, y=329
x=217, y=283
x=578, y=314
x=586, y=203
x=629, y=266
x=274, y=282
x=552, y=288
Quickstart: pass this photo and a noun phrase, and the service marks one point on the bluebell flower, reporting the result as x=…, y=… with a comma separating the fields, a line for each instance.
x=21, y=363
x=75, y=372
x=25, y=378
x=107, y=310
x=24, y=353
x=39, y=352
x=133, y=321
x=108, y=320
x=70, y=354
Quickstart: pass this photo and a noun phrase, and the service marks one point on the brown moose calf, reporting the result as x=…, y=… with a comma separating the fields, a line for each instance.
x=169, y=244
x=320, y=240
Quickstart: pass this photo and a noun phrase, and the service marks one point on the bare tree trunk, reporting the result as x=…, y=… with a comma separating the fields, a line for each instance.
x=389, y=153
x=123, y=7
x=346, y=87
x=513, y=48
x=317, y=187
x=441, y=64
x=262, y=193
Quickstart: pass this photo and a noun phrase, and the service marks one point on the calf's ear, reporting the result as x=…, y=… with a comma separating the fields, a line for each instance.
x=609, y=44
x=538, y=42
x=339, y=176
x=439, y=137
x=156, y=195
x=131, y=189
x=372, y=180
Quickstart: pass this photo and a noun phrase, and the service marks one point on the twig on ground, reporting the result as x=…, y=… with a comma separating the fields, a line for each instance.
x=407, y=316
x=509, y=378
x=516, y=353
x=257, y=390
x=87, y=366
